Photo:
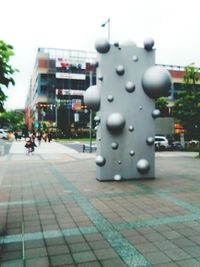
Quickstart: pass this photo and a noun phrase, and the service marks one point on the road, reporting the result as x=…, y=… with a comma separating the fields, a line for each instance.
x=79, y=146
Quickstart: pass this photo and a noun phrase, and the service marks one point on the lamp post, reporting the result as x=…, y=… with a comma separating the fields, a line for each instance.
x=104, y=24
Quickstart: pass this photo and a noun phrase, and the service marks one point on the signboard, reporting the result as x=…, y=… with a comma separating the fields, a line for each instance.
x=67, y=63
x=74, y=76
x=69, y=92
x=76, y=117
x=76, y=104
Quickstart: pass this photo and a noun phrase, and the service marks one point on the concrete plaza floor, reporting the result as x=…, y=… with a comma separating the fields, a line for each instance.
x=53, y=212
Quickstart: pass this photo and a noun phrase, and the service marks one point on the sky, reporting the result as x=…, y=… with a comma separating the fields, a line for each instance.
x=28, y=24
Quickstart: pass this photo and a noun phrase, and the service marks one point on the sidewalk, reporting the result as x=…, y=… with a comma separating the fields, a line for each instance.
x=53, y=212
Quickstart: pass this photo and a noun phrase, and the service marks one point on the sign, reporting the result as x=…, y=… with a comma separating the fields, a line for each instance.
x=76, y=117
x=76, y=104
x=69, y=92
x=73, y=76
x=67, y=63
x=69, y=105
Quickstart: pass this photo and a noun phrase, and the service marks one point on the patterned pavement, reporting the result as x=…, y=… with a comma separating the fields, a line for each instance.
x=53, y=212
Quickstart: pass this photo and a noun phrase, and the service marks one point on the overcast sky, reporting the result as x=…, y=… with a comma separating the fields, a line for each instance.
x=76, y=24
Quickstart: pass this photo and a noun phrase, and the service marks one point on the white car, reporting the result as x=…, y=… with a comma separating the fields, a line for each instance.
x=3, y=134
x=161, y=142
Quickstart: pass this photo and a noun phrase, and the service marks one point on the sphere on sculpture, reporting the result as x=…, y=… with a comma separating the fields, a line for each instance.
x=156, y=82
x=92, y=97
x=120, y=70
x=97, y=119
x=117, y=177
x=102, y=46
x=110, y=98
x=156, y=113
x=130, y=87
x=115, y=123
x=131, y=128
x=114, y=145
x=131, y=153
x=143, y=166
x=100, y=161
x=135, y=58
x=148, y=44
x=150, y=141
x=100, y=78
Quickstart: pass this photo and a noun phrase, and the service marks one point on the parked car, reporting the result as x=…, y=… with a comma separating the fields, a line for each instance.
x=193, y=142
x=161, y=143
x=176, y=146
x=3, y=134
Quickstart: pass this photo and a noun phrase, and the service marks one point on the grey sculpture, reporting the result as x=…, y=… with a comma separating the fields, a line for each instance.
x=127, y=85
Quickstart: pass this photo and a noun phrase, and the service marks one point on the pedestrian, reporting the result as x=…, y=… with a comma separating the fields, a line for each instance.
x=39, y=138
x=30, y=146
x=49, y=137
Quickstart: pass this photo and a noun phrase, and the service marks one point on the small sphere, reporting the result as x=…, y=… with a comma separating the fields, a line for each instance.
x=96, y=128
x=120, y=70
x=117, y=177
x=131, y=128
x=131, y=153
x=156, y=82
x=141, y=107
x=116, y=44
x=119, y=162
x=114, y=145
x=150, y=141
x=143, y=166
x=135, y=58
x=156, y=113
x=99, y=139
x=115, y=123
x=92, y=97
x=94, y=63
x=110, y=98
x=130, y=87
x=148, y=44
x=102, y=46
x=100, y=78
x=100, y=161
x=97, y=119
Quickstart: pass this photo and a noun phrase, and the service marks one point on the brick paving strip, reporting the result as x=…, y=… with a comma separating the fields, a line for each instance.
x=118, y=235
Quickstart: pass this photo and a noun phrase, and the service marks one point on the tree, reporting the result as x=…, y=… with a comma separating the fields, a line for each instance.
x=6, y=71
x=187, y=106
x=161, y=104
x=14, y=120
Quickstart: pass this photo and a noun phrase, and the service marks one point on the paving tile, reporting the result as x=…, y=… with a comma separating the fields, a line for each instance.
x=177, y=254
x=57, y=250
x=11, y=255
x=86, y=256
x=90, y=264
x=77, y=247
x=189, y=263
x=183, y=242
x=171, y=234
x=98, y=244
x=116, y=262
x=15, y=263
x=35, y=252
x=105, y=253
x=157, y=257
x=193, y=251
x=59, y=260
x=146, y=247
x=39, y=262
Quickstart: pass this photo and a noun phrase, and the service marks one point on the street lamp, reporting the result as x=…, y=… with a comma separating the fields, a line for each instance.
x=104, y=24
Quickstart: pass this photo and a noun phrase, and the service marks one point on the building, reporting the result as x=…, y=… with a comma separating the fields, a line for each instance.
x=58, y=81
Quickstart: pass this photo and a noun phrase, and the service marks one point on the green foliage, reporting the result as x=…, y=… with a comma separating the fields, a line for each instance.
x=6, y=71
x=187, y=106
x=161, y=104
x=14, y=120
